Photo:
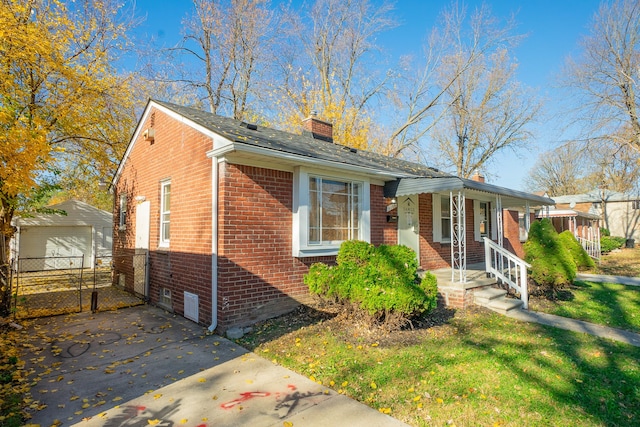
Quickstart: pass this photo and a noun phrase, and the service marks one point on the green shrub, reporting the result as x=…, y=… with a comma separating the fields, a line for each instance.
x=580, y=256
x=609, y=243
x=552, y=265
x=380, y=280
x=604, y=232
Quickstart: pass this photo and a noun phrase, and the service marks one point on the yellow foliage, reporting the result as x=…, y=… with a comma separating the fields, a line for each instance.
x=351, y=126
x=14, y=376
x=61, y=101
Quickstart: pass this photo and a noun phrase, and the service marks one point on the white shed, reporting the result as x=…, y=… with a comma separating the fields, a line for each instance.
x=84, y=230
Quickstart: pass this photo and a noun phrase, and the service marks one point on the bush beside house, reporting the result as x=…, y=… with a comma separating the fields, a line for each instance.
x=552, y=265
x=580, y=256
x=382, y=281
x=608, y=242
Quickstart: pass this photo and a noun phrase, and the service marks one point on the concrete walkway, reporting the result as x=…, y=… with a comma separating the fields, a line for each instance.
x=630, y=281
x=630, y=338
x=576, y=326
x=142, y=366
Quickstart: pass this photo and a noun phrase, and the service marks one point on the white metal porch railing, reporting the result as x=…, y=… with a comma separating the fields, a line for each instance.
x=592, y=247
x=508, y=268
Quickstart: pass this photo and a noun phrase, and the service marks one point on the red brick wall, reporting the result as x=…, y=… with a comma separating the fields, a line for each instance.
x=434, y=255
x=178, y=153
x=511, y=228
x=258, y=276
x=382, y=232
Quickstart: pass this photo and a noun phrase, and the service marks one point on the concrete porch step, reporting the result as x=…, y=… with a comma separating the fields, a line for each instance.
x=504, y=305
x=496, y=300
x=486, y=295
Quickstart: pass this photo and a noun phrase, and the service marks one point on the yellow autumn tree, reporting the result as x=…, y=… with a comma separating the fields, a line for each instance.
x=62, y=105
x=351, y=127
x=331, y=69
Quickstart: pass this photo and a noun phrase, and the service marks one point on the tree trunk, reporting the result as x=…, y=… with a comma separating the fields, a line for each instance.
x=6, y=233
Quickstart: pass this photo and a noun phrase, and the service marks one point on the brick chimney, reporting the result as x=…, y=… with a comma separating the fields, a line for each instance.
x=477, y=177
x=319, y=129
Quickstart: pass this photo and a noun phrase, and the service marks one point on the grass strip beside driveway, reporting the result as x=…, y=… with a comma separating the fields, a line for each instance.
x=478, y=368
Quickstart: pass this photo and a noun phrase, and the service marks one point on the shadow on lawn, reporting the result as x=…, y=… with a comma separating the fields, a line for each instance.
x=600, y=379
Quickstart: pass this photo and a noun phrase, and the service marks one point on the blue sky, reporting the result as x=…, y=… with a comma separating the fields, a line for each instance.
x=552, y=28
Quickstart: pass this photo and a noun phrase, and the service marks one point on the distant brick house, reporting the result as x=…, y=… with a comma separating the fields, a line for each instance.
x=618, y=212
x=233, y=214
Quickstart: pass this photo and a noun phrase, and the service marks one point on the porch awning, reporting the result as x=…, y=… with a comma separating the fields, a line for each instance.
x=408, y=186
x=566, y=213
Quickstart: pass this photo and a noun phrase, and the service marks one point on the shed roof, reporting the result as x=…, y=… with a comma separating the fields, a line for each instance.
x=77, y=213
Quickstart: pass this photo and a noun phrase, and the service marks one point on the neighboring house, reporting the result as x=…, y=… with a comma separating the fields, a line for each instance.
x=84, y=231
x=233, y=214
x=618, y=212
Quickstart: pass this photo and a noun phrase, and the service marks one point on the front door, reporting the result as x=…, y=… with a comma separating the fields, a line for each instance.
x=408, y=223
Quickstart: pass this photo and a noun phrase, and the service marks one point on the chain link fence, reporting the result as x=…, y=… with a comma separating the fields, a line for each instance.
x=58, y=285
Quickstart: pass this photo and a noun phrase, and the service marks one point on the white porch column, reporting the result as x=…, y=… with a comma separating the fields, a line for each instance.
x=527, y=217
x=458, y=237
x=499, y=224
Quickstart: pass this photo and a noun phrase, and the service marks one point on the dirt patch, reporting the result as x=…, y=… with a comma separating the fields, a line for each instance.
x=351, y=324
x=621, y=262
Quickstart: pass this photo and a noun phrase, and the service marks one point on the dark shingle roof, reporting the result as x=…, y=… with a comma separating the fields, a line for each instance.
x=302, y=145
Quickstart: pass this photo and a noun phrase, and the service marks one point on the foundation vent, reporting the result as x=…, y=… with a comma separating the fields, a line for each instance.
x=191, y=306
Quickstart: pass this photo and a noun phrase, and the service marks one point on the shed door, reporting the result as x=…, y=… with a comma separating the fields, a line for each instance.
x=408, y=225
x=39, y=243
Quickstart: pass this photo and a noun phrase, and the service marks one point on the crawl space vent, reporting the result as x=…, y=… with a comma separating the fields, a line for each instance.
x=191, y=306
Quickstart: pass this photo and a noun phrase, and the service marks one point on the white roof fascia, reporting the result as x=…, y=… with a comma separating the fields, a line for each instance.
x=171, y=113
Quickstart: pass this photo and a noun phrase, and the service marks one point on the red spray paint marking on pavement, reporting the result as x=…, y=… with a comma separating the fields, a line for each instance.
x=243, y=398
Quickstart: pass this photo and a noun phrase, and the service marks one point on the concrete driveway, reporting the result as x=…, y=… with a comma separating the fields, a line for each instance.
x=142, y=366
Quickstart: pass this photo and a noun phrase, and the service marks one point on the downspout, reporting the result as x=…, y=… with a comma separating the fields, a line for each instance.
x=214, y=244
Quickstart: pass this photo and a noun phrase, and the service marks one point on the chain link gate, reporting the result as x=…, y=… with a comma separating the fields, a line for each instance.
x=59, y=285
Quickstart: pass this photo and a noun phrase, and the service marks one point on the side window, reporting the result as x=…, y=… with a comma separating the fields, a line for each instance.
x=165, y=212
x=122, y=222
x=445, y=219
x=485, y=214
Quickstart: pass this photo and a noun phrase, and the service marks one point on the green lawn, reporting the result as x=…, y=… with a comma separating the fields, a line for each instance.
x=606, y=304
x=478, y=368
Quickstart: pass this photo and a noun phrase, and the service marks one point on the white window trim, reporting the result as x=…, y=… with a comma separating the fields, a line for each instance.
x=300, y=233
x=161, y=241
x=122, y=220
x=436, y=206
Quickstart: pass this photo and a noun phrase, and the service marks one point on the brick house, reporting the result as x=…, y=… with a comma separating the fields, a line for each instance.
x=618, y=212
x=232, y=214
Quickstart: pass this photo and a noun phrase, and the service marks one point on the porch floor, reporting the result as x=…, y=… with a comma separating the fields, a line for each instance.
x=476, y=277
